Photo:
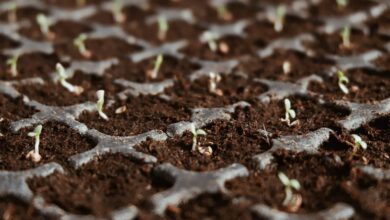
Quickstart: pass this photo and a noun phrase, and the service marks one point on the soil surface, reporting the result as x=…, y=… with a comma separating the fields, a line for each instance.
x=112, y=182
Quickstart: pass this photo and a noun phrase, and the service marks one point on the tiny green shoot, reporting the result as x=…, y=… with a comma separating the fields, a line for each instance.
x=195, y=133
x=12, y=62
x=163, y=27
x=279, y=18
x=157, y=65
x=223, y=12
x=63, y=76
x=342, y=81
x=44, y=26
x=100, y=104
x=34, y=154
x=290, y=199
x=289, y=113
x=346, y=36
x=117, y=8
x=79, y=42
x=214, y=79
x=342, y=3
x=358, y=142
x=211, y=40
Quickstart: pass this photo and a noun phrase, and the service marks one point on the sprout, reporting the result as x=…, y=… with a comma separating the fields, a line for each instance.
x=359, y=143
x=119, y=17
x=214, y=78
x=291, y=200
x=12, y=16
x=79, y=43
x=100, y=104
x=34, y=154
x=195, y=133
x=163, y=27
x=342, y=3
x=223, y=12
x=44, y=25
x=290, y=113
x=342, y=80
x=279, y=18
x=211, y=40
x=12, y=63
x=157, y=65
x=63, y=76
x=286, y=67
x=345, y=35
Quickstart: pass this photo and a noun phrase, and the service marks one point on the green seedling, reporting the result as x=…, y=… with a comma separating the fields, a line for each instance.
x=12, y=62
x=44, y=25
x=79, y=42
x=291, y=200
x=157, y=65
x=346, y=36
x=279, y=18
x=63, y=76
x=100, y=104
x=342, y=3
x=342, y=81
x=211, y=40
x=214, y=79
x=358, y=143
x=223, y=12
x=34, y=154
x=195, y=133
x=117, y=9
x=289, y=113
x=163, y=27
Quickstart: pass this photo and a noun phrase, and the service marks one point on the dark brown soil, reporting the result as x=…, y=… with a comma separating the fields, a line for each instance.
x=360, y=43
x=58, y=142
x=6, y=43
x=22, y=13
x=235, y=143
x=265, y=30
x=237, y=47
x=10, y=109
x=55, y=94
x=196, y=94
x=301, y=66
x=311, y=115
x=177, y=30
x=143, y=114
x=330, y=8
x=11, y=208
x=133, y=14
x=138, y=72
x=112, y=182
x=30, y=65
x=101, y=49
x=365, y=86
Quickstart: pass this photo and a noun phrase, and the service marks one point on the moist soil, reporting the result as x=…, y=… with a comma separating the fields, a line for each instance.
x=300, y=66
x=112, y=182
x=333, y=43
x=365, y=86
x=54, y=94
x=58, y=142
x=240, y=139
